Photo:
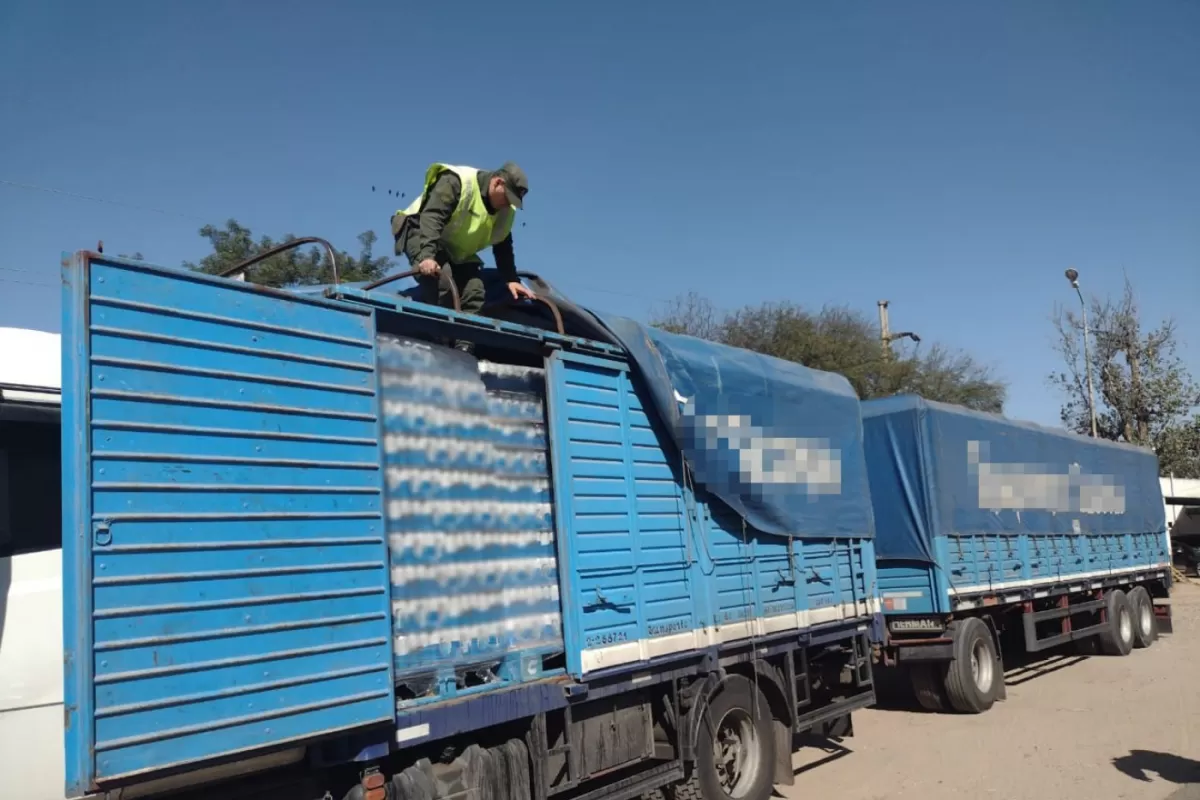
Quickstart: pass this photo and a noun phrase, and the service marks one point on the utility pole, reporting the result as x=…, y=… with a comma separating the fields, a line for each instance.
x=886, y=337
x=1073, y=276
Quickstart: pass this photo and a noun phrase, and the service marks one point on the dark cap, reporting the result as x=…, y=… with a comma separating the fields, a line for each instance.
x=515, y=183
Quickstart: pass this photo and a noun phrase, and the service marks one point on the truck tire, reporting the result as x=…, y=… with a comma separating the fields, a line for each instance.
x=735, y=747
x=928, y=686
x=413, y=784
x=1145, y=624
x=501, y=783
x=1117, y=637
x=520, y=782
x=974, y=674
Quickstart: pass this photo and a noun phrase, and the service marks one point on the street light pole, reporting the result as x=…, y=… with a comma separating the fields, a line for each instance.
x=1073, y=277
x=886, y=337
x=885, y=333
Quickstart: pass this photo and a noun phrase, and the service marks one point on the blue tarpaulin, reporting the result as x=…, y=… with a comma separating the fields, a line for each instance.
x=938, y=469
x=780, y=443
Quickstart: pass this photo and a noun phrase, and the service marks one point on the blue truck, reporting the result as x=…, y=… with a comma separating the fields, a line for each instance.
x=333, y=542
x=313, y=546
x=995, y=535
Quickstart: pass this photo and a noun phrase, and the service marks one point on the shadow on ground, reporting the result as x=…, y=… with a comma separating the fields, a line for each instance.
x=1144, y=765
x=894, y=692
x=831, y=749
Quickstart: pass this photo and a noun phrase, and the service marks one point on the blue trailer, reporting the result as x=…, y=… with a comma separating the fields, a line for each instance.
x=994, y=534
x=312, y=550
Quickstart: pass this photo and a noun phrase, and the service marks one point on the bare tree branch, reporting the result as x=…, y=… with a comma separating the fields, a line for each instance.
x=1145, y=396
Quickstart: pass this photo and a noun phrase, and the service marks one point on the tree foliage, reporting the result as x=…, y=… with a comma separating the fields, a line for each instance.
x=302, y=266
x=838, y=339
x=1144, y=394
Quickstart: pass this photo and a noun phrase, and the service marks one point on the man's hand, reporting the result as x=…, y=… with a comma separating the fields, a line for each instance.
x=428, y=268
x=519, y=290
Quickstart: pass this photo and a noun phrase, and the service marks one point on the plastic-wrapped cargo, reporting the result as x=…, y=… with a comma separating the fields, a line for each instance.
x=474, y=573
x=1001, y=504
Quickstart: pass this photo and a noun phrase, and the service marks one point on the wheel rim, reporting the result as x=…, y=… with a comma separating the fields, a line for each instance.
x=981, y=666
x=736, y=753
x=1145, y=618
x=1125, y=624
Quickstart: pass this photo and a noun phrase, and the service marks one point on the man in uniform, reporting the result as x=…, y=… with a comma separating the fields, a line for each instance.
x=462, y=210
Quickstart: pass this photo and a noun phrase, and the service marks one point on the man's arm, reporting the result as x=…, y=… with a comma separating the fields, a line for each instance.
x=506, y=263
x=440, y=203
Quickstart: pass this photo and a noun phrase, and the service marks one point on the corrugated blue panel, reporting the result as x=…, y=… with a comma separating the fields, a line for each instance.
x=474, y=572
x=224, y=552
x=760, y=583
x=625, y=546
x=648, y=569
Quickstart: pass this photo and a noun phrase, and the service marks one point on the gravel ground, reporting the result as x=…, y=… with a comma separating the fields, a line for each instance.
x=1095, y=728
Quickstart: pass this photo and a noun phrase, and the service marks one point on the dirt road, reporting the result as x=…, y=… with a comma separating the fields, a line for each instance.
x=1073, y=728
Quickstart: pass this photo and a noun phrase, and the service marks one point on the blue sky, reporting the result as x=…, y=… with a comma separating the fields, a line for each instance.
x=950, y=157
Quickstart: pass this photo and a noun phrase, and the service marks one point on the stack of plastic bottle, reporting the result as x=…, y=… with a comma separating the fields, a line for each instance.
x=469, y=516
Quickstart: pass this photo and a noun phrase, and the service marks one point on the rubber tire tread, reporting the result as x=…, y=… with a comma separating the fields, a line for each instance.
x=1110, y=645
x=688, y=789
x=423, y=788
x=1137, y=598
x=961, y=691
x=928, y=686
x=487, y=776
x=734, y=689
x=500, y=773
x=520, y=781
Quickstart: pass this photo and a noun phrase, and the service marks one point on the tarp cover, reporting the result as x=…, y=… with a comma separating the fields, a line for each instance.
x=938, y=469
x=778, y=442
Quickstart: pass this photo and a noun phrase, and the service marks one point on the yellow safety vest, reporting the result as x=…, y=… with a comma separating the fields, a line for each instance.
x=470, y=228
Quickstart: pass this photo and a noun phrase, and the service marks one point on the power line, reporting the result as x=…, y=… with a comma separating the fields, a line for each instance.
x=39, y=273
x=21, y=269
x=94, y=199
x=30, y=283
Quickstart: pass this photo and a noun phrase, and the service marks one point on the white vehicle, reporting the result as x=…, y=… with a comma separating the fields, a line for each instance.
x=31, y=649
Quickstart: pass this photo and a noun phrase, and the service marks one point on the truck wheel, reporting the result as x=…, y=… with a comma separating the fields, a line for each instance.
x=973, y=675
x=1117, y=637
x=1145, y=624
x=927, y=685
x=735, y=747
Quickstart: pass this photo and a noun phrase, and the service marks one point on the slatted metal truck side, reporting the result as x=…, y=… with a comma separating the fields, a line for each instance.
x=309, y=547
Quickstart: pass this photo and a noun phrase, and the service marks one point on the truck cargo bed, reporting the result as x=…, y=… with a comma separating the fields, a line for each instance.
x=289, y=517
x=970, y=504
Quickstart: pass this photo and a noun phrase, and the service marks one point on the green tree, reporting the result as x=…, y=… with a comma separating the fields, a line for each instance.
x=1144, y=393
x=842, y=340
x=302, y=266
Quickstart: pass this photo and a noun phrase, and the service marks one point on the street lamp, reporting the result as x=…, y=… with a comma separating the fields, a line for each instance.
x=1073, y=277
